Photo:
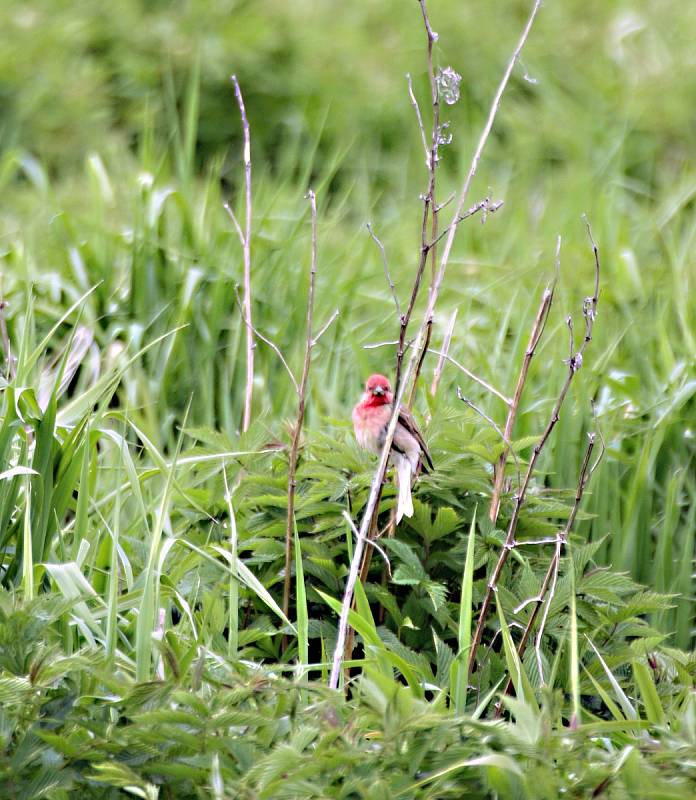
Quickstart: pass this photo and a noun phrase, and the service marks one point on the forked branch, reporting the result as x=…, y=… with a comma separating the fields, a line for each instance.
x=409, y=371
x=534, y=337
x=574, y=362
x=551, y=577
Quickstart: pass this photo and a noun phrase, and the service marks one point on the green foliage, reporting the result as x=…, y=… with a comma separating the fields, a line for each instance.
x=142, y=536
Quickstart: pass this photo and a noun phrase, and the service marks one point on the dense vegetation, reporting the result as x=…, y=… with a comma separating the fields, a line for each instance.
x=143, y=648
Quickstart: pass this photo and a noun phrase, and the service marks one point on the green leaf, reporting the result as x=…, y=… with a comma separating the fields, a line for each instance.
x=648, y=691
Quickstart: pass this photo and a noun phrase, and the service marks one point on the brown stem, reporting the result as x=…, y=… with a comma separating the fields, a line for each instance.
x=574, y=363
x=376, y=486
x=534, y=337
x=434, y=144
x=246, y=247
x=443, y=355
x=429, y=205
x=301, y=399
x=419, y=365
x=552, y=572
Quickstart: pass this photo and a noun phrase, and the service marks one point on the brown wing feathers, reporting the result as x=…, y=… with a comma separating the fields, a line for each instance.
x=406, y=419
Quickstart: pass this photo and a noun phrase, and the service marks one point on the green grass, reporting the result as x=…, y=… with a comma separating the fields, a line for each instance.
x=142, y=535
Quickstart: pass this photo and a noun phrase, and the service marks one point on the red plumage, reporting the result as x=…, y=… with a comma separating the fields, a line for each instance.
x=370, y=420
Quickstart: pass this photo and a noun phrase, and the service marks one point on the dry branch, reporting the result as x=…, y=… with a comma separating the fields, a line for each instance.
x=376, y=486
x=574, y=362
x=437, y=374
x=534, y=337
x=269, y=342
x=246, y=248
x=552, y=572
x=310, y=342
x=443, y=355
x=387, y=274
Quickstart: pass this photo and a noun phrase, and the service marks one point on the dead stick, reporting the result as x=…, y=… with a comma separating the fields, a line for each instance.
x=246, y=247
x=378, y=478
x=574, y=363
x=437, y=374
x=552, y=571
x=534, y=337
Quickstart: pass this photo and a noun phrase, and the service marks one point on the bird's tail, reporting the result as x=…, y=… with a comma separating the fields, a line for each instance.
x=404, y=507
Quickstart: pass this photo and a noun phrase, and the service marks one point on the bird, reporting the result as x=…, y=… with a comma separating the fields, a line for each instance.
x=408, y=451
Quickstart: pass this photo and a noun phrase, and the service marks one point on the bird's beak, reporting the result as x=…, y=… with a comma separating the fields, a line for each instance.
x=378, y=390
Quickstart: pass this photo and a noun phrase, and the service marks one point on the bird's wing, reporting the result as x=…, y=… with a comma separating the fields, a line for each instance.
x=409, y=423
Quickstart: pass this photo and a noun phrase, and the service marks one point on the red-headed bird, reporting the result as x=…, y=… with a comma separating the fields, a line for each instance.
x=371, y=420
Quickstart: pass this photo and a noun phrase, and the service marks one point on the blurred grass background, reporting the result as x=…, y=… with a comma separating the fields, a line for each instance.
x=119, y=140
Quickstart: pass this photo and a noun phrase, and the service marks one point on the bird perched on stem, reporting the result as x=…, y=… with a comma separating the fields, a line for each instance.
x=371, y=419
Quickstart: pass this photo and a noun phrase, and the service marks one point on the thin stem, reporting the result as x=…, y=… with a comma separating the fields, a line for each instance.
x=437, y=374
x=452, y=231
x=573, y=363
x=301, y=401
x=246, y=247
x=550, y=579
x=419, y=117
x=387, y=274
x=429, y=202
x=534, y=337
x=496, y=428
x=487, y=206
x=378, y=478
x=329, y=322
x=271, y=344
x=434, y=145
x=452, y=361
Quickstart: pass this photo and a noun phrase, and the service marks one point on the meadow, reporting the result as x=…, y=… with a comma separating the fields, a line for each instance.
x=153, y=642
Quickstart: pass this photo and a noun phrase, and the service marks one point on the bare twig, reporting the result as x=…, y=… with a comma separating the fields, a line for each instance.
x=419, y=117
x=487, y=386
x=301, y=399
x=444, y=259
x=387, y=274
x=267, y=341
x=433, y=159
x=574, y=363
x=487, y=206
x=534, y=337
x=430, y=209
x=376, y=486
x=496, y=428
x=235, y=222
x=246, y=247
x=437, y=374
x=551, y=577
x=325, y=327
x=419, y=365
x=561, y=540
x=373, y=542
x=452, y=229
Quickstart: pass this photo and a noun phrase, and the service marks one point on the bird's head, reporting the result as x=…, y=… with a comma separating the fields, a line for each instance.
x=378, y=388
